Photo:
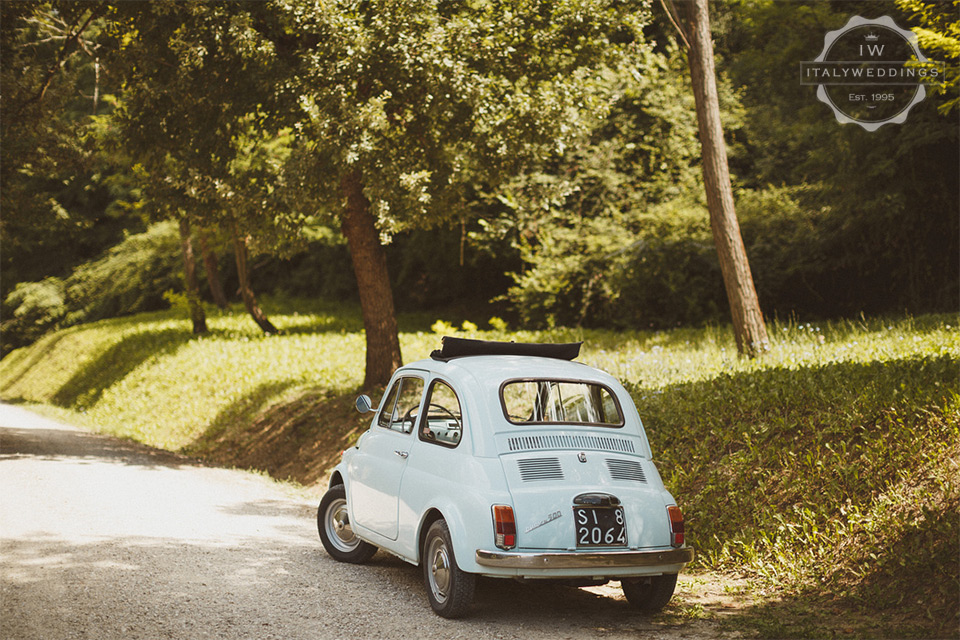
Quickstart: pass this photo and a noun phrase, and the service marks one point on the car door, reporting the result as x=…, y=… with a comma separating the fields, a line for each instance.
x=377, y=469
x=433, y=463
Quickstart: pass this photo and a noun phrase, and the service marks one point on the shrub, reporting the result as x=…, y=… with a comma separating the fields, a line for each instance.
x=32, y=309
x=653, y=268
x=785, y=235
x=128, y=278
x=657, y=267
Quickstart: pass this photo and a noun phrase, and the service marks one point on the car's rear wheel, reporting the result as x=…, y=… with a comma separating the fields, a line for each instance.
x=651, y=593
x=336, y=534
x=449, y=588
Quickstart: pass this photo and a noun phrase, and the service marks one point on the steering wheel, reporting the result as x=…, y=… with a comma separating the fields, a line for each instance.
x=446, y=411
x=427, y=433
x=409, y=416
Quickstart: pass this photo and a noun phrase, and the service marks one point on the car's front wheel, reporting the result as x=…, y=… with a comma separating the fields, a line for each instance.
x=336, y=534
x=450, y=590
x=651, y=593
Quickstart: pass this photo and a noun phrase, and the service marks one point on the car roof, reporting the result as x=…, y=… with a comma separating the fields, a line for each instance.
x=495, y=369
x=477, y=381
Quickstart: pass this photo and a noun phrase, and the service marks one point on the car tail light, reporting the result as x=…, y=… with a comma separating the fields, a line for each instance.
x=676, y=526
x=504, y=526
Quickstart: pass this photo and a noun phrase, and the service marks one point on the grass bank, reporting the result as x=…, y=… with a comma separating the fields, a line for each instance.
x=825, y=474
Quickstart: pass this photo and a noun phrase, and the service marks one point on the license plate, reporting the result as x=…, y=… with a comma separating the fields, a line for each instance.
x=600, y=527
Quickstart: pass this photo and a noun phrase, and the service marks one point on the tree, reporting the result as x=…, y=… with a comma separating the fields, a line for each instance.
x=405, y=106
x=196, y=151
x=61, y=203
x=938, y=33
x=595, y=226
x=748, y=325
x=197, y=315
x=212, y=270
x=396, y=109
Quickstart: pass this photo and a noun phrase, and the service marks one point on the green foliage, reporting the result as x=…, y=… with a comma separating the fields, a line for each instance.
x=552, y=142
x=580, y=221
x=658, y=268
x=320, y=270
x=836, y=479
x=665, y=273
x=938, y=34
x=828, y=472
x=116, y=371
x=32, y=309
x=422, y=101
x=426, y=271
x=132, y=276
x=788, y=239
x=885, y=202
x=615, y=234
x=62, y=204
x=672, y=277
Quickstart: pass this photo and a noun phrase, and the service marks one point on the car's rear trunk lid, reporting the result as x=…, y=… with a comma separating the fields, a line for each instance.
x=546, y=473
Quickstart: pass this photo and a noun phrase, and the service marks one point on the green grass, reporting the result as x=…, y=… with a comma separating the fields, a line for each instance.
x=826, y=472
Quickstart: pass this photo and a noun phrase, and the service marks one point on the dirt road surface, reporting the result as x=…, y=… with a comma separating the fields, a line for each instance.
x=106, y=539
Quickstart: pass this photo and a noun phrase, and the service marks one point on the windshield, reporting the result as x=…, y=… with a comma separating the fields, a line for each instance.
x=560, y=402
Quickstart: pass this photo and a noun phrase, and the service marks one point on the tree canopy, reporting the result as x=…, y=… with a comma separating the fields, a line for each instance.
x=448, y=148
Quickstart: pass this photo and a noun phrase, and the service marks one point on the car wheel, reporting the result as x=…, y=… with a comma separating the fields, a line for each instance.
x=450, y=590
x=649, y=594
x=336, y=534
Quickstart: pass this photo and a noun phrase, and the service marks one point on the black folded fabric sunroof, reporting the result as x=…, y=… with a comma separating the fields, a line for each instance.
x=461, y=347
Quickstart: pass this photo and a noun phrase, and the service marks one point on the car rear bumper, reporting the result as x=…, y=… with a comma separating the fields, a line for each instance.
x=585, y=560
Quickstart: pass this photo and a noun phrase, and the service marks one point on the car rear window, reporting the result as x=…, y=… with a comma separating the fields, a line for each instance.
x=560, y=402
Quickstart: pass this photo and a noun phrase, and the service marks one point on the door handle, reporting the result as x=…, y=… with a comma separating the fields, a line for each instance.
x=402, y=454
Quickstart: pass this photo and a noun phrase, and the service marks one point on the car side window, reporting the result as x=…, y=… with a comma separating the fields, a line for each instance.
x=402, y=405
x=443, y=422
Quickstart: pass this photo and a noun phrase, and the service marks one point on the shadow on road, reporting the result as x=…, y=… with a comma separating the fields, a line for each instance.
x=67, y=443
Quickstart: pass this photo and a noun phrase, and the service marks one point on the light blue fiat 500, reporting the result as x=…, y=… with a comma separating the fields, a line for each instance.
x=506, y=460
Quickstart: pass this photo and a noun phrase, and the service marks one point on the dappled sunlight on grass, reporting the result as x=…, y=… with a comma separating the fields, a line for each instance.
x=835, y=479
x=151, y=380
x=658, y=360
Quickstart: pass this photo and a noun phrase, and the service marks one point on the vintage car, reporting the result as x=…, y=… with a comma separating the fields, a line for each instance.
x=506, y=460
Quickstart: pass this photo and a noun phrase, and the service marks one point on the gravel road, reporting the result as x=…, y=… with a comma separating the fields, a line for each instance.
x=102, y=538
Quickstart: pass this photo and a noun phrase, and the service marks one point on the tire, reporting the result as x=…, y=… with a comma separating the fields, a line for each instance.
x=649, y=594
x=449, y=589
x=335, y=532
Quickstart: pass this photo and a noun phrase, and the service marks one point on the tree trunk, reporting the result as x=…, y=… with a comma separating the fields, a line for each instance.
x=748, y=324
x=370, y=269
x=197, y=315
x=213, y=272
x=246, y=291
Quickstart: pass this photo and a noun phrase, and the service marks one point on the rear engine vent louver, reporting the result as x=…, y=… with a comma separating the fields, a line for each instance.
x=588, y=442
x=629, y=470
x=533, y=469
